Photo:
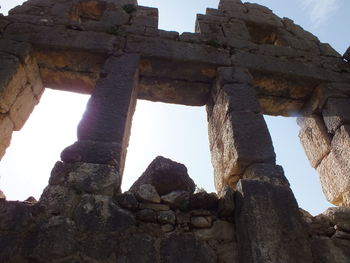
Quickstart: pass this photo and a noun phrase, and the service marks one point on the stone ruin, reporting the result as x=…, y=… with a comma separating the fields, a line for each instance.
x=242, y=62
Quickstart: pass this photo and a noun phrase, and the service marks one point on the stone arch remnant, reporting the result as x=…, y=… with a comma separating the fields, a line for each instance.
x=242, y=62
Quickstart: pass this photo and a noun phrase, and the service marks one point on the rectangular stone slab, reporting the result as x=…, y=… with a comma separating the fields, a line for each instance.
x=268, y=224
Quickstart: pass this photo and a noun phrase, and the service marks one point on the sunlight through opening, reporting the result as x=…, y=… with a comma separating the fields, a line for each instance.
x=25, y=168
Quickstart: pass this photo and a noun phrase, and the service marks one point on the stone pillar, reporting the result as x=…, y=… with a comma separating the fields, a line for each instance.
x=325, y=136
x=238, y=134
x=268, y=224
x=103, y=133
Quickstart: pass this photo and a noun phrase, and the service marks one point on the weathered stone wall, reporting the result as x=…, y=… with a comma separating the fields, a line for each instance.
x=242, y=62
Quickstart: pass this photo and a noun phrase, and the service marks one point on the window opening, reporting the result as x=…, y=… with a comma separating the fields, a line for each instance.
x=26, y=166
x=173, y=131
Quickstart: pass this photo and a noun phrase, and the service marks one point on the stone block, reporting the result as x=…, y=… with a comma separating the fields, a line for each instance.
x=297, y=30
x=6, y=129
x=290, y=69
x=336, y=113
x=103, y=121
x=186, y=249
x=203, y=200
x=97, y=213
x=229, y=75
x=146, y=215
x=95, y=179
x=322, y=93
x=59, y=37
x=346, y=55
x=166, y=176
x=226, y=206
x=147, y=193
x=55, y=238
x=201, y=222
x=93, y=152
x=140, y=248
x=327, y=50
x=326, y=250
x=334, y=170
x=236, y=97
x=235, y=29
x=270, y=173
x=12, y=81
x=145, y=16
x=15, y=215
x=237, y=140
x=127, y=200
x=174, y=91
x=166, y=217
x=221, y=230
x=261, y=205
x=338, y=215
x=22, y=107
x=58, y=199
x=179, y=51
x=177, y=199
x=314, y=138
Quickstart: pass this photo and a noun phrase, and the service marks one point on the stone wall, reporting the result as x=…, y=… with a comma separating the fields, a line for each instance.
x=242, y=62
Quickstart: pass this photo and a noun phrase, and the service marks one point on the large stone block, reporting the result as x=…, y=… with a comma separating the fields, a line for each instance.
x=326, y=250
x=237, y=140
x=322, y=93
x=95, y=179
x=335, y=168
x=236, y=97
x=336, y=113
x=59, y=37
x=93, y=152
x=12, y=81
x=166, y=176
x=22, y=107
x=265, y=172
x=183, y=51
x=314, y=138
x=268, y=224
x=6, y=128
x=185, y=248
x=112, y=104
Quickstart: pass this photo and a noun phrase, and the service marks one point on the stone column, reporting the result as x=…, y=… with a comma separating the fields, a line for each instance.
x=325, y=136
x=238, y=134
x=268, y=224
x=103, y=133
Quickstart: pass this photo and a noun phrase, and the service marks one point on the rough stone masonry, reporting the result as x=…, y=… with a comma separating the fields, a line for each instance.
x=242, y=62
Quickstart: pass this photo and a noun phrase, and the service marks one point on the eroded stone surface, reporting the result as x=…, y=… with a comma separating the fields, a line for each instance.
x=242, y=62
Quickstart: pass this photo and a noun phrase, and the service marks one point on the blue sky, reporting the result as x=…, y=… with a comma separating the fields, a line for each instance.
x=176, y=132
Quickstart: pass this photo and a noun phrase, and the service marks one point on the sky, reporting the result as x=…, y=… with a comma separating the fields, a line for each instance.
x=176, y=132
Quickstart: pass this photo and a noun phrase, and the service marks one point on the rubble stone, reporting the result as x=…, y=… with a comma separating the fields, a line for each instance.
x=166, y=176
x=147, y=193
